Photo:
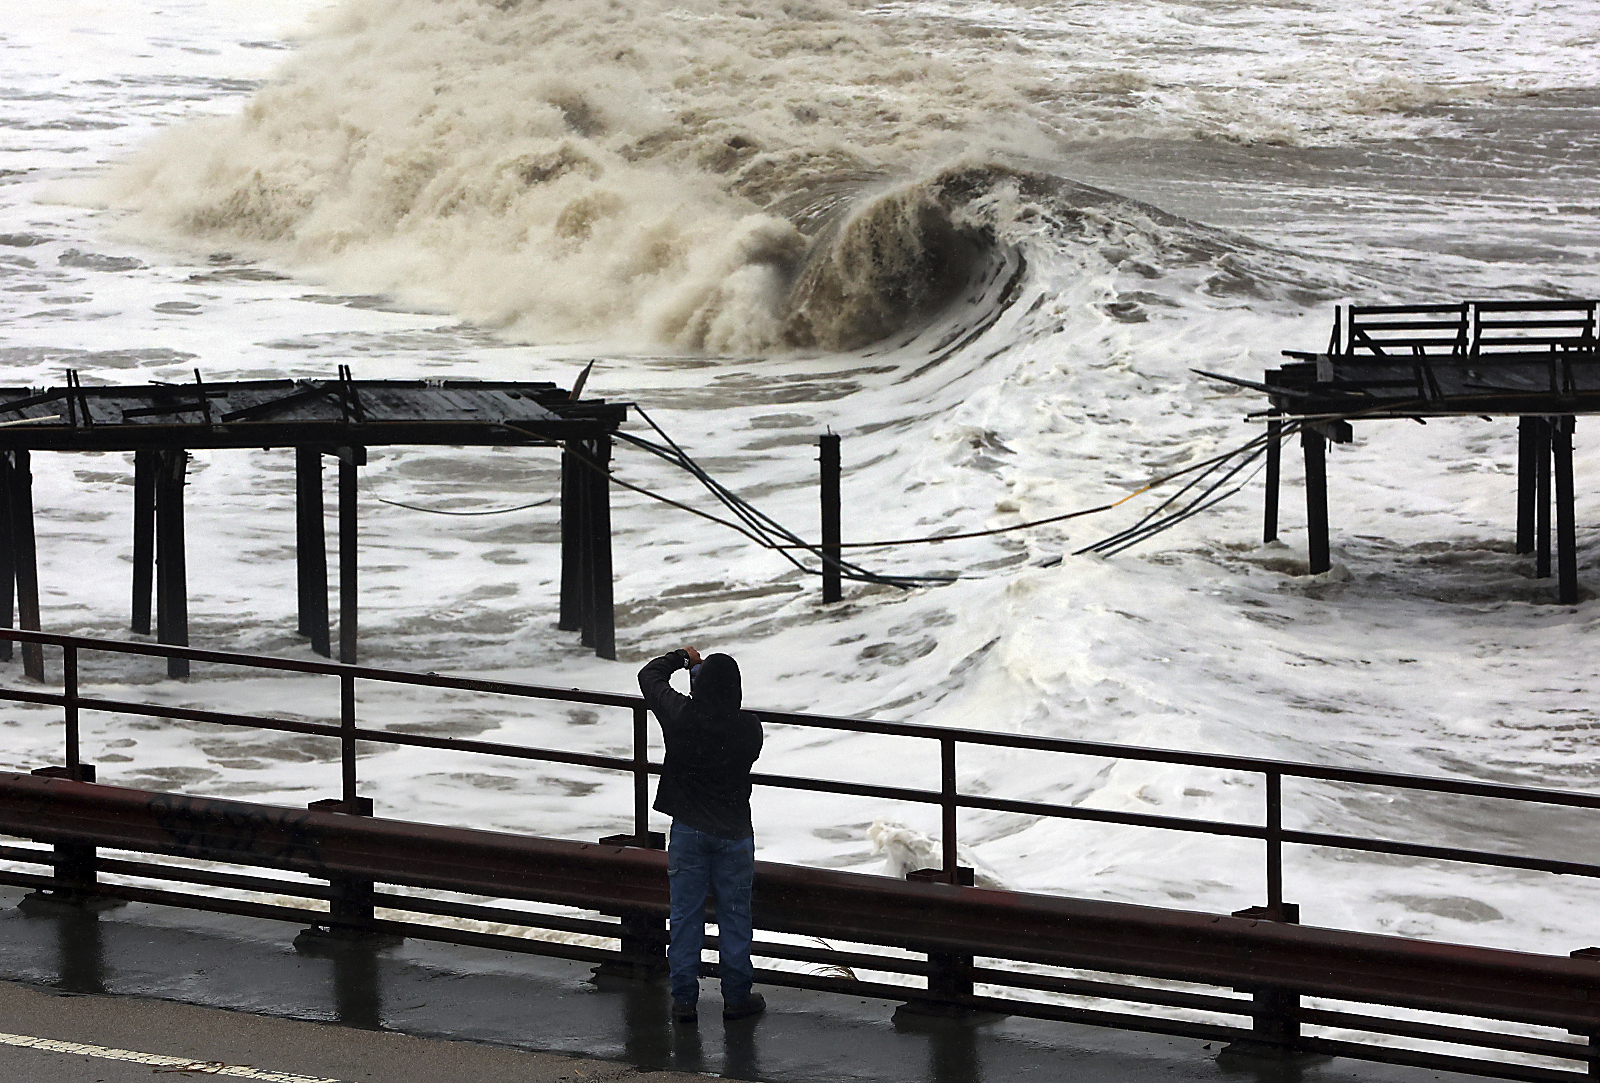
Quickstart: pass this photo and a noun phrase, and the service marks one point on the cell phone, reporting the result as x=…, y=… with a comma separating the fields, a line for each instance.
x=694, y=673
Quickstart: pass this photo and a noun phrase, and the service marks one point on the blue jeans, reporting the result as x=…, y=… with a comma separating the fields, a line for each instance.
x=699, y=864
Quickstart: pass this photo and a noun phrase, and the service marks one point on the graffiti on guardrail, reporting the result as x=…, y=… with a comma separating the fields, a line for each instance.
x=203, y=828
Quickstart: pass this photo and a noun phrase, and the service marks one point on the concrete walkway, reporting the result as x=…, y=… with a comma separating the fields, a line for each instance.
x=204, y=988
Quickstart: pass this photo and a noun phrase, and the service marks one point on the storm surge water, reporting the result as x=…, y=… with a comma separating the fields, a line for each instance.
x=987, y=243
x=577, y=169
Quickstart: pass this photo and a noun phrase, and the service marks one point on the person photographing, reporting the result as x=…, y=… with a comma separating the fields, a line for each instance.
x=705, y=788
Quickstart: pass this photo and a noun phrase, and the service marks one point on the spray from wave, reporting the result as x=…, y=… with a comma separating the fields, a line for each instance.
x=719, y=175
x=575, y=169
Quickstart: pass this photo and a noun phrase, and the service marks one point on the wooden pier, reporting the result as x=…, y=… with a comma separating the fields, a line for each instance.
x=1537, y=361
x=341, y=418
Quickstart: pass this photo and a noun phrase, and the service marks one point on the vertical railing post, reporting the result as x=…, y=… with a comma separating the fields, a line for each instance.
x=641, y=776
x=347, y=738
x=75, y=864
x=947, y=805
x=1274, y=841
x=950, y=977
x=644, y=935
x=69, y=682
x=1274, y=1013
x=828, y=456
x=352, y=910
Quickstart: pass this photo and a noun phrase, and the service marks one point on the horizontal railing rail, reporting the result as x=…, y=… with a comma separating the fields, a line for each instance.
x=349, y=730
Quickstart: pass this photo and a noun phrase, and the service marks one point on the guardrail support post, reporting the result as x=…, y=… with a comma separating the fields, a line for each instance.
x=1274, y=1017
x=643, y=935
x=76, y=864
x=952, y=973
x=351, y=912
x=1593, y=1037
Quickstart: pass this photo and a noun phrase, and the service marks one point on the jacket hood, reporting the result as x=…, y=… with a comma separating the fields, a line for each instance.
x=718, y=687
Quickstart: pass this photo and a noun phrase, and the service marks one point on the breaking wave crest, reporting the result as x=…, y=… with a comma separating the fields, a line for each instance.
x=732, y=176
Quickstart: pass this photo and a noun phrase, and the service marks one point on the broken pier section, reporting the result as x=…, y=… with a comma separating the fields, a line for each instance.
x=1537, y=361
x=341, y=418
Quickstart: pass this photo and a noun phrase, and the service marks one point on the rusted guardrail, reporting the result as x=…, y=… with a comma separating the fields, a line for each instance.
x=1260, y=951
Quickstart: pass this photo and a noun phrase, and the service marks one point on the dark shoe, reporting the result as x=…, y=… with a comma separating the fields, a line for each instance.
x=684, y=1013
x=754, y=1004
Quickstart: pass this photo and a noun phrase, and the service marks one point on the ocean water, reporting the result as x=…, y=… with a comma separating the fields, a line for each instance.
x=986, y=243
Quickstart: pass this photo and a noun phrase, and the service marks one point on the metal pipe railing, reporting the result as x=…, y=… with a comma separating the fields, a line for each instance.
x=948, y=797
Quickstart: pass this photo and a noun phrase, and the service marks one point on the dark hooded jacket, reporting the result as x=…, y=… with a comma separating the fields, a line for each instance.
x=711, y=743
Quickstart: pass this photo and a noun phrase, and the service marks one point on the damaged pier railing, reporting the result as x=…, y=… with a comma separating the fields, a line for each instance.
x=936, y=941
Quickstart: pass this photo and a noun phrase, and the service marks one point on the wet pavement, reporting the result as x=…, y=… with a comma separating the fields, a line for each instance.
x=359, y=1012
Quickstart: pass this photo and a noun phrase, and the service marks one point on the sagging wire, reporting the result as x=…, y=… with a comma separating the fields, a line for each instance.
x=1153, y=522
x=1207, y=498
x=774, y=535
x=751, y=518
x=768, y=533
x=443, y=511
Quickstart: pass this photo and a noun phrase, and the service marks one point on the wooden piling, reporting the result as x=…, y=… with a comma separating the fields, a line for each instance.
x=570, y=618
x=832, y=553
x=1269, y=511
x=27, y=559
x=1541, y=518
x=1527, y=480
x=1315, y=447
x=349, y=558
x=144, y=537
x=172, y=586
x=311, y=550
x=8, y=556
x=1566, y=517
x=597, y=507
